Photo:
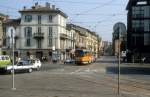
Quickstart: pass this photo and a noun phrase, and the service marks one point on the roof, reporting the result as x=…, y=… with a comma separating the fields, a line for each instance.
x=132, y=2
x=1, y=14
x=79, y=28
x=42, y=9
x=13, y=22
x=76, y=27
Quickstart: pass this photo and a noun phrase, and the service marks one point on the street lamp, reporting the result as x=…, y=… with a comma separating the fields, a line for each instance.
x=12, y=32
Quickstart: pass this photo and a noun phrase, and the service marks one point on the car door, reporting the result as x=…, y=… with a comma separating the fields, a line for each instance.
x=38, y=63
x=19, y=66
x=27, y=65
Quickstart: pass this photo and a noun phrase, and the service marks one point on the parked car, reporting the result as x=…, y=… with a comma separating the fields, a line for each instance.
x=25, y=66
x=69, y=61
x=4, y=61
x=36, y=64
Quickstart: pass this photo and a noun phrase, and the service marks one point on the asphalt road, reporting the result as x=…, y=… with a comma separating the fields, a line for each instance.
x=69, y=80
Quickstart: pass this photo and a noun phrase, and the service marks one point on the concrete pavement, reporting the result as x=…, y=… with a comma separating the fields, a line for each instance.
x=58, y=80
x=50, y=85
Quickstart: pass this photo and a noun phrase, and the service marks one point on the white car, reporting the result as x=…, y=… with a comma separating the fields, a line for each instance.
x=69, y=61
x=25, y=66
x=36, y=64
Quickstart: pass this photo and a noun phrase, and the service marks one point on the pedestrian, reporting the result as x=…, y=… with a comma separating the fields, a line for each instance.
x=143, y=59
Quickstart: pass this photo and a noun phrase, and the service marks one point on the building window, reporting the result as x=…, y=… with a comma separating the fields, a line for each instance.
x=39, y=29
x=50, y=18
x=146, y=39
x=50, y=42
x=138, y=12
x=4, y=42
x=28, y=42
x=28, y=32
x=50, y=37
x=138, y=25
x=28, y=18
x=39, y=19
x=39, y=44
x=50, y=32
x=4, y=31
x=146, y=25
x=147, y=12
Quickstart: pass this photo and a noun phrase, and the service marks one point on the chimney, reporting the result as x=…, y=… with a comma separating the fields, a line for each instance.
x=36, y=4
x=48, y=5
x=53, y=7
x=24, y=8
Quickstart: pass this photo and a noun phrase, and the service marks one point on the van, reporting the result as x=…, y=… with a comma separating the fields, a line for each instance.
x=4, y=60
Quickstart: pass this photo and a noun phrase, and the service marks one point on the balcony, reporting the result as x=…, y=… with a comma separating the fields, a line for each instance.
x=63, y=36
x=38, y=35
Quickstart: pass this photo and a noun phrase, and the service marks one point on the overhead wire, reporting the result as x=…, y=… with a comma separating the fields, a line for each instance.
x=83, y=13
x=100, y=6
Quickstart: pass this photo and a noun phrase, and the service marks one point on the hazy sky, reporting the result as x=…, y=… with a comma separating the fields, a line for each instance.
x=96, y=15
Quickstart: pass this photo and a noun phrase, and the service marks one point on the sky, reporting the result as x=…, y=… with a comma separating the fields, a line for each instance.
x=95, y=15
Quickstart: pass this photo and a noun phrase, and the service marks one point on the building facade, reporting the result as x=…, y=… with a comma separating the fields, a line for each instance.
x=84, y=38
x=40, y=32
x=119, y=39
x=7, y=36
x=138, y=30
x=43, y=31
x=2, y=18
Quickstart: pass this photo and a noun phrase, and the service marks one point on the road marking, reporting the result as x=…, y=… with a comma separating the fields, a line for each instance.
x=129, y=93
x=88, y=71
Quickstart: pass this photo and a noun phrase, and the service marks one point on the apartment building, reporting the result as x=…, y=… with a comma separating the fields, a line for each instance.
x=42, y=31
x=8, y=25
x=80, y=35
x=2, y=18
x=138, y=30
x=85, y=38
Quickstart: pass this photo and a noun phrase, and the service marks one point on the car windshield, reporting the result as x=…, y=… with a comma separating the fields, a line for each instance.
x=27, y=62
x=79, y=53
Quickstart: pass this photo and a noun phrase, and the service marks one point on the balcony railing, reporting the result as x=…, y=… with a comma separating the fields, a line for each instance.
x=38, y=35
x=62, y=35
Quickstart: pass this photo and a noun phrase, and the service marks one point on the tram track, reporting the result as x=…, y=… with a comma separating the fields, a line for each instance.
x=126, y=84
x=139, y=88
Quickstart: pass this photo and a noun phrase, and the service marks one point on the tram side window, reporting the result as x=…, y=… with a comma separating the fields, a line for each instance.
x=7, y=58
x=3, y=58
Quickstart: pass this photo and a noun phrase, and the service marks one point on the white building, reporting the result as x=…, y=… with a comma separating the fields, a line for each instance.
x=8, y=26
x=42, y=30
x=2, y=18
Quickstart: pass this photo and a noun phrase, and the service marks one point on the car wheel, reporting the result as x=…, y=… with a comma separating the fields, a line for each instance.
x=11, y=71
x=30, y=70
